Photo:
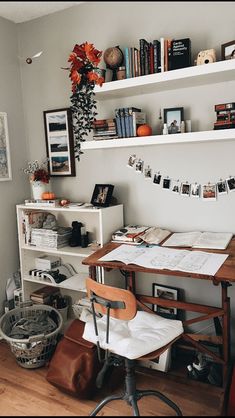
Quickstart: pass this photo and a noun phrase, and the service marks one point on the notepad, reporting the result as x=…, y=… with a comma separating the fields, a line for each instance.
x=209, y=240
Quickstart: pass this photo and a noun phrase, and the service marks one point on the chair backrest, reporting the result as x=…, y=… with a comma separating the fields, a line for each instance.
x=123, y=302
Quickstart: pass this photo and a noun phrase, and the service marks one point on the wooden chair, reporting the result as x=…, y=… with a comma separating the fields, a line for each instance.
x=119, y=313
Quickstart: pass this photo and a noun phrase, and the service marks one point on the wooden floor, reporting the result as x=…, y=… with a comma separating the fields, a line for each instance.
x=26, y=392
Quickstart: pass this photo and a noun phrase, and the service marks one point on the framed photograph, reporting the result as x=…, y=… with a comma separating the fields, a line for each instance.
x=148, y=173
x=5, y=160
x=165, y=292
x=166, y=182
x=59, y=142
x=157, y=178
x=175, y=186
x=139, y=166
x=231, y=184
x=209, y=191
x=131, y=161
x=173, y=118
x=195, y=190
x=185, y=189
x=222, y=187
x=102, y=195
x=228, y=51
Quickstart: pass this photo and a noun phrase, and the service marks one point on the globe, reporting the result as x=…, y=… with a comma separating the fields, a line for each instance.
x=113, y=57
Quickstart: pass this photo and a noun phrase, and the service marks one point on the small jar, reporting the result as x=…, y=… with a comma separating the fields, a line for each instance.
x=121, y=73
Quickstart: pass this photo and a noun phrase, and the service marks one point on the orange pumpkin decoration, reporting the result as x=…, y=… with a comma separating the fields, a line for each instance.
x=48, y=196
x=144, y=130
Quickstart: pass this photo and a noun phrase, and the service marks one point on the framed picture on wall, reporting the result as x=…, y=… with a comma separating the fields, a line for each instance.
x=228, y=51
x=5, y=161
x=165, y=292
x=59, y=142
x=173, y=117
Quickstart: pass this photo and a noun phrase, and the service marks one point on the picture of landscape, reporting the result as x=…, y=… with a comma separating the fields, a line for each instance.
x=57, y=122
x=60, y=164
x=58, y=143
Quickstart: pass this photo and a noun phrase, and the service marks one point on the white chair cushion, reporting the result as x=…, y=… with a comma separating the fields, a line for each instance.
x=141, y=335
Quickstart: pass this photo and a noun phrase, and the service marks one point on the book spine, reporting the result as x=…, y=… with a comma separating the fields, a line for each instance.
x=121, y=110
x=136, y=62
x=141, y=43
x=131, y=62
x=151, y=58
x=165, y=54
x=162, y=54
x=131, y=125
x=155, y=56
x=127, y=62
x=169, y=53
x=118, y=123
x=146, y=58
x=126, y=119
x=139, y=118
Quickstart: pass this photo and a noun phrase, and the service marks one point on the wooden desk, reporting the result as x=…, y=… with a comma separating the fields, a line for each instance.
x=224, y=277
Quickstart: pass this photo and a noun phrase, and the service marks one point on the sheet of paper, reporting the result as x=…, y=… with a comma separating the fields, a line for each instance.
x=160, y=258
x=127, y=254
x=182, y=239
x=201, y=262
x=214, y=240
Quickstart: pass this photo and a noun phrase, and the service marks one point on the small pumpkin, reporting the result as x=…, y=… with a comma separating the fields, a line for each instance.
x=48, y=196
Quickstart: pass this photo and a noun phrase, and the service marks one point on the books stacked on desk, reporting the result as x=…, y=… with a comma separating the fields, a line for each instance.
x=104, y=129
x=138, y=234
x=127, y=120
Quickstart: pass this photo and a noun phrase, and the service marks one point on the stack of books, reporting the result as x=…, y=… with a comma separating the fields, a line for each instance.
x=42, y=202
x=47, y=238
x=44, y=295
x=104, y=129
x=225, y=113
x=130, y=234
x=127, y=120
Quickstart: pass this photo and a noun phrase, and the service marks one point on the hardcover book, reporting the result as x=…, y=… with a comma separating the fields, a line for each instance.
x=180, y=53
x=130, y=233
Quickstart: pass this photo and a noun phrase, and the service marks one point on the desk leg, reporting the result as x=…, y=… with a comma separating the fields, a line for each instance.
x=226, y=329
x=92, y=272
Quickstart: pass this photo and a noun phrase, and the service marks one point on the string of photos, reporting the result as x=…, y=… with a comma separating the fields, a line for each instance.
x=208, y=191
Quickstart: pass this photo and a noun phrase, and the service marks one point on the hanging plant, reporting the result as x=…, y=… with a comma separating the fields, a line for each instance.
x=84, y=74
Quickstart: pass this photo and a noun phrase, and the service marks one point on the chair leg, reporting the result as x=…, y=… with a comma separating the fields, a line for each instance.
x=104, y=402
x=159, y=395
x=133, y=403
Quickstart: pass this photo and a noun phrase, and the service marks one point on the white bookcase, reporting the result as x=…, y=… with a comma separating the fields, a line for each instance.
x=206, y=74
x=99, y=222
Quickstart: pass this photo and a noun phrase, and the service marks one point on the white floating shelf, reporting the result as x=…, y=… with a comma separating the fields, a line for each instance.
x=190, y=137
x=74, y=251
x=216, y=72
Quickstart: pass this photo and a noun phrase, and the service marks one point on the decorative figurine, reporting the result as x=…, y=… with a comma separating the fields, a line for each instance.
x=113, y=58
x=50, y=222
x=75, y=240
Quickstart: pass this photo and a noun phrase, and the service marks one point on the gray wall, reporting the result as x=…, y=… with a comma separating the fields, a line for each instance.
x=12, y=192
x=46, y=86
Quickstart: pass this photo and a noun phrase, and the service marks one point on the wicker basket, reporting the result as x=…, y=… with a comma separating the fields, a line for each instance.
x=36, y=350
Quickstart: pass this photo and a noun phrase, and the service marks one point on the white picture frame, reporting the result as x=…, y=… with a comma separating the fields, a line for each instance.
x=5, y=159
x=209, y=192
x=165, y=292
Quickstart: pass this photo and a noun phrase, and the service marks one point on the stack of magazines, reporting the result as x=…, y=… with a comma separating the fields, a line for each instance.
x=48, y=238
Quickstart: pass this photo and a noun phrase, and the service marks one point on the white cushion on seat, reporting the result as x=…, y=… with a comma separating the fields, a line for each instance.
x=141, y=335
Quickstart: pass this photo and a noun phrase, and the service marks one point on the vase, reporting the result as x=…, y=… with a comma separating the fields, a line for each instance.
x=37, y=188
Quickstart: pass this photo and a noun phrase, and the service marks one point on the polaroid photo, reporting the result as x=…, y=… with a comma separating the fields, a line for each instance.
x=209, y=191
x=175, y=186
x=131, y=161
x=195, y=190
x=148, y=173
x=231, y=184
x=222, y=187
x=166, y=183
x=157, y=178
x=185, y=189
x=165, y=292
x=139, y=166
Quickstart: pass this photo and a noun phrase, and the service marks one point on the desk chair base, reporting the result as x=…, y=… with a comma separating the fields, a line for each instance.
x=132, y=395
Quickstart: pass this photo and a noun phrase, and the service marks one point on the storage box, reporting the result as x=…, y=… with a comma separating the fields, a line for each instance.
x=47, y=238
x=47, y=262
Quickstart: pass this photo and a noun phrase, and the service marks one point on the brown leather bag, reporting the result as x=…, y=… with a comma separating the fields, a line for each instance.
x=74, y=365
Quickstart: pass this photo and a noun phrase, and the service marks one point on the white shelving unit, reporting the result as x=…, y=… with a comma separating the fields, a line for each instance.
x=216, y=72
x=99, y=222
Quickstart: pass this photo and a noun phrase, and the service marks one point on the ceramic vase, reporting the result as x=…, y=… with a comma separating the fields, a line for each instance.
x=38, y=187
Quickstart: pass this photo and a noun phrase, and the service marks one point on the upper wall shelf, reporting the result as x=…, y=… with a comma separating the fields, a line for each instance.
x=190, y=137
x=216, y=72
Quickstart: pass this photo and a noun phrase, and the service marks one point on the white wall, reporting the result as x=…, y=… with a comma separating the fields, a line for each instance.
x=12, y=192
x=46, y=86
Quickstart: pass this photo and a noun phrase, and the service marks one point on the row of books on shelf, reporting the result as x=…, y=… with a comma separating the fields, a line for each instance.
x=157, y=56
x=124, y=125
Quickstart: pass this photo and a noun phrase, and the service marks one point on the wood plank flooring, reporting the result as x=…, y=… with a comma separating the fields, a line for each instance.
x=26, y=392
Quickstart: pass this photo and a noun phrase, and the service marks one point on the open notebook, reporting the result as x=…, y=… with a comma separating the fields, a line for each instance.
x=210, y=240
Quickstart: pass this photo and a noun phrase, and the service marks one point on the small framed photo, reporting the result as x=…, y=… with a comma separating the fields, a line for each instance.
x=131, y=161
x=209, y=191
x=185, y=189
x=148, y=173
x=102, y=195
x=175, y=186
x=231, y=184
x=165, y=292
x=195, y=190
x=59, y=142
x=157, y=178
x=166, y=182
x=173, y=118
x=139, y=166
x=228, y=51
x=5, y=160
x=222, y=187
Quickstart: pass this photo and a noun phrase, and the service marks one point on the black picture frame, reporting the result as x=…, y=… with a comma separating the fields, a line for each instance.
x=171, y=115
x=59, y=142
x=102, y=195
x=165, y=292
x=228, y=50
